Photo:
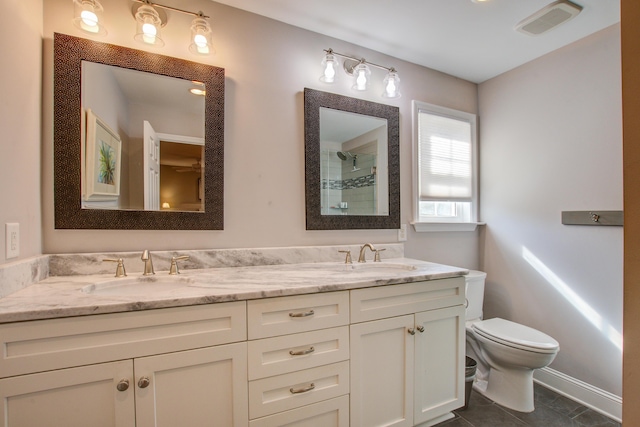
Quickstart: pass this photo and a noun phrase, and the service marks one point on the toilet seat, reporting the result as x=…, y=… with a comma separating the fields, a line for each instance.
x=515, y=335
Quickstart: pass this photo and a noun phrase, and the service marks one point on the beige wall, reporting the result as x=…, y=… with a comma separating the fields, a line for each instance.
x=20, y=86
x=630, y=10
x=268, y=64
x=551, y=141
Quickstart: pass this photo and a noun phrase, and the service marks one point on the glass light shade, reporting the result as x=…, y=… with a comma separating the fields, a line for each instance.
x=88, y=17
x=201, y=41
x=148, y=26
x=391, y=85
x=361, y=73
x=331, y=65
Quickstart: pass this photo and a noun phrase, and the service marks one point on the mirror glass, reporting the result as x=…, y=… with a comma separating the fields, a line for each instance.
x=146, y=111
x=351, y=163
x=133, y=147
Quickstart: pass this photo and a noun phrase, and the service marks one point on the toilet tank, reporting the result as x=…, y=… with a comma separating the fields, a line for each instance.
x=474, y=288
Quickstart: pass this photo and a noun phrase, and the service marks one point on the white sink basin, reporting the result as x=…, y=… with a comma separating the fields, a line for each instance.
x=141, y=285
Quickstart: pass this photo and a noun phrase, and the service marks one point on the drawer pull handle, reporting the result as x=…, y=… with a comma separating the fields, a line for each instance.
x=123, y=385
x=302, y=390
x=302, y=352
x=411, y=331
x=144, y=382
x=305, y=314
x=420, y=329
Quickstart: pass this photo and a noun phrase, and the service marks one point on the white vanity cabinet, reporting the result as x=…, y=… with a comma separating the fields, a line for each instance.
x=407, y=353
x=299, y=360
x=166, y=367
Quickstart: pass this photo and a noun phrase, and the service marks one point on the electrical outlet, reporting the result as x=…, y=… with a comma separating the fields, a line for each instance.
x=402, y=233
x=12, y=238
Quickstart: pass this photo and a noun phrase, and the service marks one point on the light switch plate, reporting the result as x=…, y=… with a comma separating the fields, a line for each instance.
x=402, y=233
x=12, y=239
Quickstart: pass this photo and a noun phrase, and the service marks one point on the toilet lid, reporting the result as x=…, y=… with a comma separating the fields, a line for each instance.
x=516, y=335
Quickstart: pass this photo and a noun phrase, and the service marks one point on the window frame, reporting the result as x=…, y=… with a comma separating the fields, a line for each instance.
x=421, y=224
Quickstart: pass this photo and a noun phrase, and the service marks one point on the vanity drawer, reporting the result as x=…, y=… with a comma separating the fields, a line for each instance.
x=289, y=353
x=271, y=317
x=396, y=300
x=330, y=413
x=284, y=392
x=74, y=341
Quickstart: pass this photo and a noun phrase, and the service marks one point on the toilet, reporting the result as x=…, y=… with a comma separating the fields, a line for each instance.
x=507, y=353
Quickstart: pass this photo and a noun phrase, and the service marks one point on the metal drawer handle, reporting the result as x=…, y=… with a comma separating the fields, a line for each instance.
x=302, y=352
x=144, y=382
x=420, y=329
x=411, y=331
x=302, y=390
x=305, y=314
x=123, y=385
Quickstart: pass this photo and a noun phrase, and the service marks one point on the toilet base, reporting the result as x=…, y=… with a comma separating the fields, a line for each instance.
x=511, y=388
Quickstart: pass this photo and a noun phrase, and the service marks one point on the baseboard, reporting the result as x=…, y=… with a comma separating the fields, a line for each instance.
x=592, y=397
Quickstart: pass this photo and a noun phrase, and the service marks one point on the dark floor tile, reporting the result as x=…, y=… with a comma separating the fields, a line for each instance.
x=455, y=422
x=544, y=416
x=567, y=406
x=592, y=418
x=543, y=395
x=490, y=416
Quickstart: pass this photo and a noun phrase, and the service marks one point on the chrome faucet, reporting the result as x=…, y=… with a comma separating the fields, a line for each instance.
x=362, y=251
x=148, y=263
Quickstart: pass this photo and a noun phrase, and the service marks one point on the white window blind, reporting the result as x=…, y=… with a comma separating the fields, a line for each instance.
x=445, y=158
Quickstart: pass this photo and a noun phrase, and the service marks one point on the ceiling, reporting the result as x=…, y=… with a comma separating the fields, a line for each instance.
x=470, y=40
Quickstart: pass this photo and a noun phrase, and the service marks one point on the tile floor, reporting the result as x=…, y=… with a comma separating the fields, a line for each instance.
x=552, y=410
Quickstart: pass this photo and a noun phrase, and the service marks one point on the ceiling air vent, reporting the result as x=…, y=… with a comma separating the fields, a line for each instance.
x=548, y=17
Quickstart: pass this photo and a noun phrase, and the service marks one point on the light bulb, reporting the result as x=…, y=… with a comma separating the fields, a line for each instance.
x=90, y=19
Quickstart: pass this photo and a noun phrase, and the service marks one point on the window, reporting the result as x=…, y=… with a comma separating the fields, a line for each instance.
x=445, y=167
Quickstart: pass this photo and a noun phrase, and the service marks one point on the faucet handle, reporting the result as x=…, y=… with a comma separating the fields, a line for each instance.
x=376, y=257
x=347, y=258
x=120, y=272
x=173, y=270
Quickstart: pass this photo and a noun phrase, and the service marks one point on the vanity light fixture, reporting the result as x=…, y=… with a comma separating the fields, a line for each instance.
x=150, y=17
x=88, y=17
x=361, y=72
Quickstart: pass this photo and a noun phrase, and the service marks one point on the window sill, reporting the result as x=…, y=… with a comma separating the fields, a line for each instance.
x=426, y=227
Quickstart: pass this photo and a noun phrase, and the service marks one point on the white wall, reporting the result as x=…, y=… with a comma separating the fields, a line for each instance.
x=268, y=64
x=20, y=89
x=551, y=141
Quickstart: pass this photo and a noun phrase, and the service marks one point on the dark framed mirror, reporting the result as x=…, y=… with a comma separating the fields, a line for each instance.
x=352, y=163
x=72, y=131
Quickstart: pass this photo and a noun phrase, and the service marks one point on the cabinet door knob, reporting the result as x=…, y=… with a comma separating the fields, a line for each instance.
x=420, y=328
x=411, y=331
x=123, y=385
x=144, y=382
x=302, y=390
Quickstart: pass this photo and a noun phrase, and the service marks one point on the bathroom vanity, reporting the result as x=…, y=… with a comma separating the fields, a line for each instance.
x=307, y=344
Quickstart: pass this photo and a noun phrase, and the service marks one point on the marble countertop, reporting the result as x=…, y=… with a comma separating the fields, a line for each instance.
x=79, y=295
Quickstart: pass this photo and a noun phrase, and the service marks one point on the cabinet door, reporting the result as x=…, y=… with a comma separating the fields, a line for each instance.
x=73, y=397
x=382, y=355
x=439, y=369
x=207, y=386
